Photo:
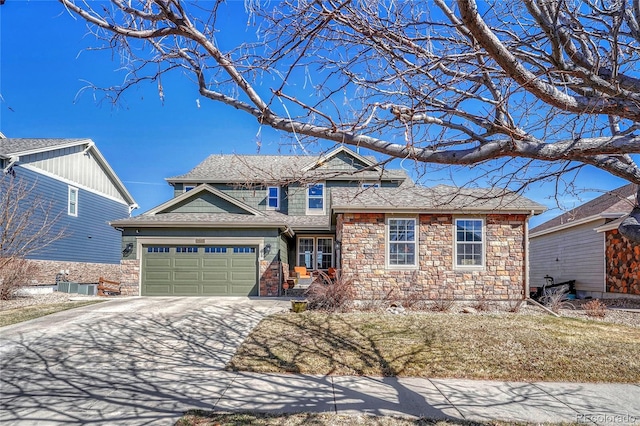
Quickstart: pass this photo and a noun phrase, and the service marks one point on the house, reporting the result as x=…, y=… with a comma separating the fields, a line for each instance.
x=73, y=178
x=583, y=244
x=238, y=224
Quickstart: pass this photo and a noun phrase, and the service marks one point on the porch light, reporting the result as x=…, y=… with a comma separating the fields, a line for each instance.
x=128, y=249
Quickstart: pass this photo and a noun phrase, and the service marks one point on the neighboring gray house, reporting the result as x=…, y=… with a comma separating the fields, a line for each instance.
x=84, y=193
x=238, y=225
x=583, y=244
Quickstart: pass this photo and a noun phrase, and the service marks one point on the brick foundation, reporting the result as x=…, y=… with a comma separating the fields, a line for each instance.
x=622, y=264
x=363, y=257
x=78, y=272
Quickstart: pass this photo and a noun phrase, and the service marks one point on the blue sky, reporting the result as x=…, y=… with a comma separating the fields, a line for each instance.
x=44, y=66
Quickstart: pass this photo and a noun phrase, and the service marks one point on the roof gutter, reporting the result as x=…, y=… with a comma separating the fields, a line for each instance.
x=387, y=210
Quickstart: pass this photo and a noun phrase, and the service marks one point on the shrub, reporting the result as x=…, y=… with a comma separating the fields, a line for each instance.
x=14, y=274
x=556, y=301
x=595, y=308
x=333, y=295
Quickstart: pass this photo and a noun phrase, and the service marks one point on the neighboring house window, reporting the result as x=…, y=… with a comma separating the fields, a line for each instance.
x=72, y=205
x=315, y=198
x=188, y=187
x=402, y=242
x=315, y=252
x=273, y=198
x=469, y=242
x=366, y=185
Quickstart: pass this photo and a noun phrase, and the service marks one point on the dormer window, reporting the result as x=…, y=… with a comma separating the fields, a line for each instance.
x=315, y=198
x=273, y=198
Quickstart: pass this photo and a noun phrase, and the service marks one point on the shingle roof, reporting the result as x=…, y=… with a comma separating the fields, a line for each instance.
x=266, y=219
x=13, y=146
x=439, y=198
x=613, y=203
x=270, y=168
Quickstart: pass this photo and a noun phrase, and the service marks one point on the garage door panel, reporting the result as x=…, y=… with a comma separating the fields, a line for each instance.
x=215, y=276
x=158, y=289
x=164, y=276
x=212, y=263
x=158, y=262
x=243, y=262
x=185, y=276
x=243, y=276
x=210, y=271
x=217, y=290
x=186, y=290
x=181, y=262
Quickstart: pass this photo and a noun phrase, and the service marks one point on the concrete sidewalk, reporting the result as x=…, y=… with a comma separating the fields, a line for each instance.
x=433, y=398
x=145, y=361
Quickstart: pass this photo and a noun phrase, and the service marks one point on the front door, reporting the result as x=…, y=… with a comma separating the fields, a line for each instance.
x=315, y=252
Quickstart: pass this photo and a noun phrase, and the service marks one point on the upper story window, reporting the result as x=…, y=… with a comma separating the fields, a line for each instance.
x=315, y=198
x=72, y=203
x=188, y=187
x=365, y=185
x=402, y=242
x=273, y=198
x=469, y=242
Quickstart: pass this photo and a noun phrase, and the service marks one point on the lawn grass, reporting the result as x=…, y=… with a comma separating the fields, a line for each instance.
x=514, y=347
x=14, y=316
x=204, y=418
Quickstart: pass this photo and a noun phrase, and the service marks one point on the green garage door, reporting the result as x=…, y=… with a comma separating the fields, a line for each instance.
x=199, y=270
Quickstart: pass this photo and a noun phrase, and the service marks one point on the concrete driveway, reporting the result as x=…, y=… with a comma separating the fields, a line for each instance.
x=125, y=361
x=145, y=361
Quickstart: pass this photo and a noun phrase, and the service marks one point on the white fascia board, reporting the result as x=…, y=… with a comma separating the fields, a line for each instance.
x=111, y=173
x=192, y=224
x=413, y=210
x=69, y=182
x=576, y=223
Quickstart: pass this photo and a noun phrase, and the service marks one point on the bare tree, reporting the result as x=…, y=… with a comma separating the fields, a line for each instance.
x=28, y=224
x=523, y=90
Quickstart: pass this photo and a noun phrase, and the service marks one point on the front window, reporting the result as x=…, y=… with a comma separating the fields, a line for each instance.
x=72, y=205
x=402, y=242
x=315, y=198
x=273, y=198
x=315, y=252
x=469, y=242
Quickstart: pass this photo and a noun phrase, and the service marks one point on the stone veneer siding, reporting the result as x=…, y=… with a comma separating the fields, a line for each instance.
x=622, y=259
x=79, y=272
x=269, y=277
x=363, y=257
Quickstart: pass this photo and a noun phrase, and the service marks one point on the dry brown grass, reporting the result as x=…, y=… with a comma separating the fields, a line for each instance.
x=204, y=418
x=14, y=316
x=495, y=347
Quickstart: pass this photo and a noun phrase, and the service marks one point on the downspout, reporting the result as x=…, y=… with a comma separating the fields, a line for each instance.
x=527, y=284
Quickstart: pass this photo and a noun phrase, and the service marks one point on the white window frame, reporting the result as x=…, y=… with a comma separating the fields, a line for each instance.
x=277, y=207
x=483, y=244
x=74, y=203
x=416, y=242
x=314, y=253
x=324, y=199
x=186, y=187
